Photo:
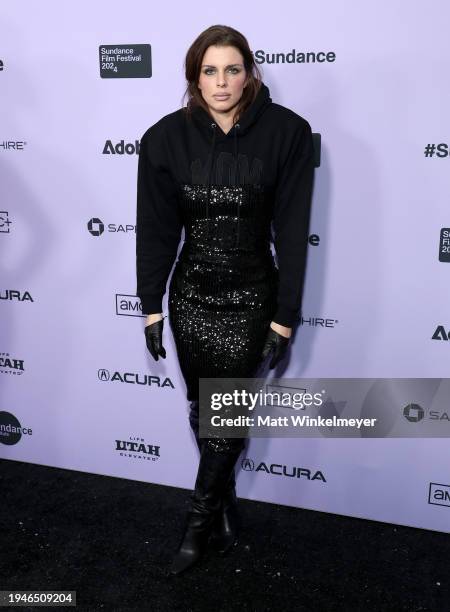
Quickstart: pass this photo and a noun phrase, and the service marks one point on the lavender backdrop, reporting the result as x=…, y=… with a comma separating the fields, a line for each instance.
x=376, y=275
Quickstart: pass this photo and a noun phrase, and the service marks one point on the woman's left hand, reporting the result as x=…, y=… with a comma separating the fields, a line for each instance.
x=277, y=340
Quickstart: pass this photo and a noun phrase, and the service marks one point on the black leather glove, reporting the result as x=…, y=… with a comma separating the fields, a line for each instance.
x=153, y=337
x=278, y=344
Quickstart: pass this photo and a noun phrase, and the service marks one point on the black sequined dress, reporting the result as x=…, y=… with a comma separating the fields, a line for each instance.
x=225, y=189
x=223, y=290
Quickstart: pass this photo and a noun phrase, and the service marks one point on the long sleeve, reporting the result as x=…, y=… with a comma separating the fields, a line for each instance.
x=158, y=222
x=291, y=219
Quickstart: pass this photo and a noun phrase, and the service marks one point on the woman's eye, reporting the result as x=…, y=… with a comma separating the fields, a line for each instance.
x=211, y=70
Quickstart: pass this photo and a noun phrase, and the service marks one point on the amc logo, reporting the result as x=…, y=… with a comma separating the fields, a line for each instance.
x=128, y=305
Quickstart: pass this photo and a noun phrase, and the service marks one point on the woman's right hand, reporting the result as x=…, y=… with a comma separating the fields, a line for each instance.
x=153, y=335
x=276, y=343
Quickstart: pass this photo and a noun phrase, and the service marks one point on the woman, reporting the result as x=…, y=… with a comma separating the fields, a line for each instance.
x=223, y=168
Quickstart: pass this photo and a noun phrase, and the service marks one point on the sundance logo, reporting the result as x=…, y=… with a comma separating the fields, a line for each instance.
x=125, y=61
x=137, y=448
x=294, y=57
x=439, y=494
x=278, y=469
x=133, y=378
x=128, y=305
x=121, y=148
x=11, y=430
x=96, y=227
x=444, y=244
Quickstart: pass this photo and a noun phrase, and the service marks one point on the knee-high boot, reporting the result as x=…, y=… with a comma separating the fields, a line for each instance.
x=226, y=524
x=217, y=460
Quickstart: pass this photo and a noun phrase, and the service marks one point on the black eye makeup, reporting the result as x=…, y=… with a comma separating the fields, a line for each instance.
x=232, y=69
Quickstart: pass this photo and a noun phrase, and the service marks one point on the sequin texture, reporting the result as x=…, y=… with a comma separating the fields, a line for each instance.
x=222, y=294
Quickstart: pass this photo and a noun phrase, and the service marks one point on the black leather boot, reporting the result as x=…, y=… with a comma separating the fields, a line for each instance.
x=225, y=529
x=217, y=460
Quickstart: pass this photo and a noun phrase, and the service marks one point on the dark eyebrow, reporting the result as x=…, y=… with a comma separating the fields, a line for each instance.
x=229, y=65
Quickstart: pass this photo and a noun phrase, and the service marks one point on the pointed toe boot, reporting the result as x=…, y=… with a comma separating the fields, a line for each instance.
x=225, y=528
x=214, y=472
x=224, y=534
x=193, y=543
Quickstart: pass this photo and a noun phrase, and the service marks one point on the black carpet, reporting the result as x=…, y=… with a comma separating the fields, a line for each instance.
x=112, y=539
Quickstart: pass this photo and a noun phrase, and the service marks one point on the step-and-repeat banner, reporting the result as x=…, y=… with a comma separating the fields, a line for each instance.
x=80, y=83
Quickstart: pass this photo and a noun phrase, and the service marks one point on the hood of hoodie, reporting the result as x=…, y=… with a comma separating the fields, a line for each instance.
x=205, y=122
x=248, y=118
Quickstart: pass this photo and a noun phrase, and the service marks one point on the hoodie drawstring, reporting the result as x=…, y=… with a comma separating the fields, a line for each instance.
x=236, y=127
x=213, y=144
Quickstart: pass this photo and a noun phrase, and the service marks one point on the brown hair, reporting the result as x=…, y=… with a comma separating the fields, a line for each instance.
x=220, y=35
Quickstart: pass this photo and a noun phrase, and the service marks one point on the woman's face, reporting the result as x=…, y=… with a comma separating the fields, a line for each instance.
x=222, y=77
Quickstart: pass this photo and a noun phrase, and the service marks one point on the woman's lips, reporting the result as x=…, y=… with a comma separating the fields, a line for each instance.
x=221, y=97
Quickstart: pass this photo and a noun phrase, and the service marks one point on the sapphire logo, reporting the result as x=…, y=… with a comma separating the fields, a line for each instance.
x=413, y=413
x=318, y=322
x=13, y=145
x=96, y=227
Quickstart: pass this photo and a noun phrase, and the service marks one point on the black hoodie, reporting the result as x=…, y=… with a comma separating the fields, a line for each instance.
x=270, y=145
